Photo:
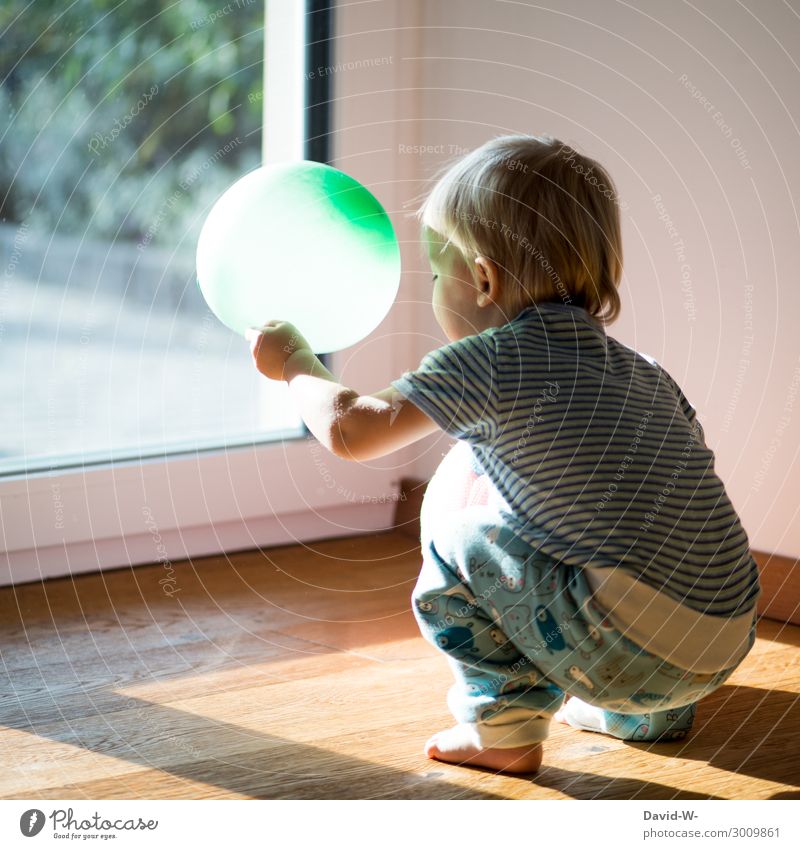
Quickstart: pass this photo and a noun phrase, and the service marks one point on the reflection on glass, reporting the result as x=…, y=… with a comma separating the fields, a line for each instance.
x=125, y=121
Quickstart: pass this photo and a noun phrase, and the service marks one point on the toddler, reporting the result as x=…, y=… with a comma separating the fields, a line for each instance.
x=576, y=540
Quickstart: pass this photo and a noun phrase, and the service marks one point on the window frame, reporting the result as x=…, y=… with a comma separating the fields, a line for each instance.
x=163, y=508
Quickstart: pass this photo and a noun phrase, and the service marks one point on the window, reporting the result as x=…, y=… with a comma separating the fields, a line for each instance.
x=78, y=494
x=128, y=121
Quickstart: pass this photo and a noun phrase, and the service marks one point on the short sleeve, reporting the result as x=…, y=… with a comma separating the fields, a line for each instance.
x=687, y=409
x=457, y=387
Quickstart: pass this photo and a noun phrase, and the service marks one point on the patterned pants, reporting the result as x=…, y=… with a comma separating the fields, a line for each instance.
x=521, y=630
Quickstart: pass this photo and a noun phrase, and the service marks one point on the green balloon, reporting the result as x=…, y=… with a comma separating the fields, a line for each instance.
x=305, y=243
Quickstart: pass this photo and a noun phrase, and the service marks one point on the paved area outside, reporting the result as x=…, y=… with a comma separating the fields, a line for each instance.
x=89, y=375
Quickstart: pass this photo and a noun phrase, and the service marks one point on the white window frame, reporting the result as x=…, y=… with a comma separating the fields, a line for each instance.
x=83, y=519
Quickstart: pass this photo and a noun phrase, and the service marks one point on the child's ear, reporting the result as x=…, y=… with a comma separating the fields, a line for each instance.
x=488, y=281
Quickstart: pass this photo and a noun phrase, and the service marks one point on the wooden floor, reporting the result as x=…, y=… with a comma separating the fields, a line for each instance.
x=299, y=673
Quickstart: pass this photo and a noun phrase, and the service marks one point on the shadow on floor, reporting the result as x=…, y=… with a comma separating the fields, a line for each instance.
x=179, y=746
x=744, y=730
x=583, y=785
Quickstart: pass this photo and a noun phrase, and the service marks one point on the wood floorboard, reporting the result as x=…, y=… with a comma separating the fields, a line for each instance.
x=299, y=673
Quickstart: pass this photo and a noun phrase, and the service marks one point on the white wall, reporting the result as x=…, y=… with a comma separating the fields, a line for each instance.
x=623, y=83
x=375, y=111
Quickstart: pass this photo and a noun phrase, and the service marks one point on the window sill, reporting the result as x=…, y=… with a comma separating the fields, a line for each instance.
x=178, y=506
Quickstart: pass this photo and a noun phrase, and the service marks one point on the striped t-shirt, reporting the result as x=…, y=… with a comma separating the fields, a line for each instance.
x=601, y=462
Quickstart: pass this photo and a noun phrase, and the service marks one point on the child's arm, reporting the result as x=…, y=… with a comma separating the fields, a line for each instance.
x=352, y=426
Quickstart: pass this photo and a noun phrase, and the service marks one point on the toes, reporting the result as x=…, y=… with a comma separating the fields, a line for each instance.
x=431, y=748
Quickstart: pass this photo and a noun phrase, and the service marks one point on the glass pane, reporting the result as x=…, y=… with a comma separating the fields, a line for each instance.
x=123, y=122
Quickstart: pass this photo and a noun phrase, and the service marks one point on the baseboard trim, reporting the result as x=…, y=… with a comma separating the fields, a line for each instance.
x=409, y=504
x=780, y=587
x=170, y=546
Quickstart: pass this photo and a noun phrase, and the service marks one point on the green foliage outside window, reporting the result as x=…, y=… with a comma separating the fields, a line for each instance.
x=125, y=119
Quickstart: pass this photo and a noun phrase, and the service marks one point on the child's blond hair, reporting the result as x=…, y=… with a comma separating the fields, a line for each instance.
x=544, y=213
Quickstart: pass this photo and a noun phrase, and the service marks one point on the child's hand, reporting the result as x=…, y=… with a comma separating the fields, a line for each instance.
x=272, y=345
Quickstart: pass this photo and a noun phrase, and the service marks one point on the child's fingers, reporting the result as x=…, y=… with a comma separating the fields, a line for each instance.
x=261, y=328
x=252, y=334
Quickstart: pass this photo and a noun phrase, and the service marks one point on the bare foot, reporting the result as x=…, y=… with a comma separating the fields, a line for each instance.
x=560, y=715
x=453, y=747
